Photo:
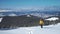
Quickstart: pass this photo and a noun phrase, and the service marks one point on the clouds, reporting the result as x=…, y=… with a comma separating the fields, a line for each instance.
x=5, y=10
x=12, y=14
x=45, y=12
x=43, y=8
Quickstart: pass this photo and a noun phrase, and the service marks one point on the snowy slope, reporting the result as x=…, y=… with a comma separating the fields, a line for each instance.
x=52, y=18
x=51, y=29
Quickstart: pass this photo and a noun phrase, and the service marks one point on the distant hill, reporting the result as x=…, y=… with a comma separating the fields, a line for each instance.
x=24, y=21
x=19, y=21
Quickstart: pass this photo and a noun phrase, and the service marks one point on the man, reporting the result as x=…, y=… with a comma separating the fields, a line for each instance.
x=41, y=23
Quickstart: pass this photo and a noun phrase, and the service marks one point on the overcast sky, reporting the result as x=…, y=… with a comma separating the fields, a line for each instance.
x=17, y=4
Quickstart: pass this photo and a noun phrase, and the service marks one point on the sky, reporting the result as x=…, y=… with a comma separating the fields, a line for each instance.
x=18, y=4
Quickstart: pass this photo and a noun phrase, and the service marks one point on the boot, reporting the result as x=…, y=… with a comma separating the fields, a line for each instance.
x=41, y=26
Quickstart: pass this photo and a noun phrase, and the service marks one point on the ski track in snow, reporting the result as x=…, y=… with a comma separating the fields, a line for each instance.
x=51, y=29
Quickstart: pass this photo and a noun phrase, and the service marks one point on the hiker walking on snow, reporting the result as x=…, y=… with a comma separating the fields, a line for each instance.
x=41, y=23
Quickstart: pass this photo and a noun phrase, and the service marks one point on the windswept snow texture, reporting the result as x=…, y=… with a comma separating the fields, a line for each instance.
x=51, y=29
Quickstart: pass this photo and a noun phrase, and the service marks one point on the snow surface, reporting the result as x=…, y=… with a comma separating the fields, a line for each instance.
x=51, y=29
x=52, y=18
x=1, y=19
x=28, y=16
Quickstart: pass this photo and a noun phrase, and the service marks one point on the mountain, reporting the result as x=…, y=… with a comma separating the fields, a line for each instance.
x=11, y=22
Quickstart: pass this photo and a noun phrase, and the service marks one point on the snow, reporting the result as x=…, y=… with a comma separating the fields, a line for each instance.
x=28, y=16
x=1, y=19
x=52, y=18
x=51, y=29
